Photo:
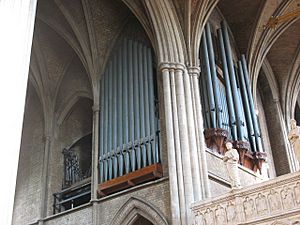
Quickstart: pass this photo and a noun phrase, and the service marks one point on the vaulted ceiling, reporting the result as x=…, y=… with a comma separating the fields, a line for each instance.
x=83, y=31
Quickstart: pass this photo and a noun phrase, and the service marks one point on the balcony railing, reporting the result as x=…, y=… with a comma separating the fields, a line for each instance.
x=277, y=200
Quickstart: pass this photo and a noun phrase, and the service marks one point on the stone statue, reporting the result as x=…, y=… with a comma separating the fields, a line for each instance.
x=231, y=159
x=294, y=138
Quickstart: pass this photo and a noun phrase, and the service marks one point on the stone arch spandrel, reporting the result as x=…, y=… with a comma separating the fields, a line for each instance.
x=135, y=207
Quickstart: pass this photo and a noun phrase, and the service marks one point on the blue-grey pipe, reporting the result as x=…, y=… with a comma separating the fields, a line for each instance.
x=110, y=118
x=115, y=117
x=153, y=125
x=131, y=104
x=204, y=95
x=147, y=104
x=142, y=104
x=246, y=106
x=120, y=112
x=125, y=104
x=209, y=82
x=232, y=119
x=214, y=78
x=251, y=104
x=136, y=104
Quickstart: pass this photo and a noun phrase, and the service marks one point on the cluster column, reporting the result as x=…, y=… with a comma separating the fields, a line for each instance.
x=182, y=141
x=194, y=73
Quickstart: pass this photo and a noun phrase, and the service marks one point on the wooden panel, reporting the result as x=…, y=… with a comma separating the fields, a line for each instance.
x=145, y=174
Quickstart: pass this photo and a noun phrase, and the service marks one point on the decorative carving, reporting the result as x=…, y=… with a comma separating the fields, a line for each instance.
x=248, y=208
x=274, y=201
x=209, y=217
x=231, y=159
x=297, y=192
x=287, y=198
x=215, y=139
x=261, y=204
x=242, y=147
x=231, y=212
x=259, y=158
x=220, y=215
x=199, y=219
x=294, y=138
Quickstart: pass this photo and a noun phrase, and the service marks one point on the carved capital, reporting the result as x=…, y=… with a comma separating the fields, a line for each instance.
x=172, y=66
x=194, y=71
x=96, y=108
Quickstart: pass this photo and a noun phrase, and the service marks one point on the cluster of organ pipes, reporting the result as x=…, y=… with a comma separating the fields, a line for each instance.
x=129, y=127
x=227, y=97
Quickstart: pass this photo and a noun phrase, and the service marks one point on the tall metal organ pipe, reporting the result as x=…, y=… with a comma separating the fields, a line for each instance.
x=210, y=91
x=239, y=121
x=214, y=78
x=229, y=97
x=251, y=104
x=246, y=106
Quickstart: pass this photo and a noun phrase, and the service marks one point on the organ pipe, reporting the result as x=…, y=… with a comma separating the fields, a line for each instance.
x=251, y=104
x=246, y=106
x=213, y=75
x=209, y=86
x=229, y=97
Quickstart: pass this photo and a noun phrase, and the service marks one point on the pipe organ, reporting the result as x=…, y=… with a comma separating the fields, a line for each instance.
x=226, y=93
x=129, y=124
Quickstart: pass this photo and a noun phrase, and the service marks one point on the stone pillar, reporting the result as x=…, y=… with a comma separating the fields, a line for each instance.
x=95, y=152
x=182, y=147
x=95, y=158
x=44, y=180
x=194, y=73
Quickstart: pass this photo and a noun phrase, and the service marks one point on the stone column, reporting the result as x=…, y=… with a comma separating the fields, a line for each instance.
x=182, y=147
x=95, y=152
x=44, y=180
x=95, y=158
x=194, y=73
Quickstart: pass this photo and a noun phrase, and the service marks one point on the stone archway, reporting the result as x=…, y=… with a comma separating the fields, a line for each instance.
x=135, y=211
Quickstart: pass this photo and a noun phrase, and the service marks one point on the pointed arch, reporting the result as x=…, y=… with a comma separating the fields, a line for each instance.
x=135, y=207
x=291, y=96
x=71, y=101
x=205, y=8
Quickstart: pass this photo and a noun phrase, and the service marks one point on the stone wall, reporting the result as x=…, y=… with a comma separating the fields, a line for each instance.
x=219, y=181
x=153, y=196
x=28, y=186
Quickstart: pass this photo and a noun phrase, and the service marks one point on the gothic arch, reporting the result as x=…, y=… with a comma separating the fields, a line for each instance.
x=135, y=207
x=70, y=102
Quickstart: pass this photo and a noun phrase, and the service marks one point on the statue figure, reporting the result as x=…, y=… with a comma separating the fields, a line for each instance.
x=294, y=138
x=231, y=159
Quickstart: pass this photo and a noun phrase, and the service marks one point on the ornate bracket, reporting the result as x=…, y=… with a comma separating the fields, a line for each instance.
x=215, y=139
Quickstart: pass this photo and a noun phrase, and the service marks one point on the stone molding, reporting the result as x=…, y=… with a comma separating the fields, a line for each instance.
x=172, y=66
x=265, y=203
x=194, y=71
x=134, y=207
